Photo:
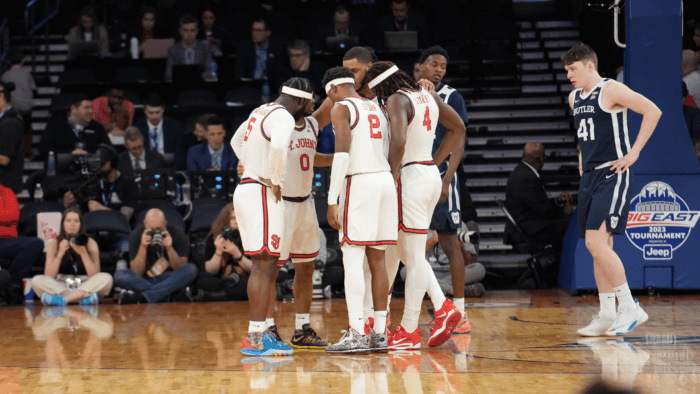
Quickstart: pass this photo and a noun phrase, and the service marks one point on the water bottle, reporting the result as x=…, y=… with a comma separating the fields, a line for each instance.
x=38, y=193
x=178, y=193
x=186, y=191
x=134, y=48
x=51, y=170
x=265, y=92
x=213, y=68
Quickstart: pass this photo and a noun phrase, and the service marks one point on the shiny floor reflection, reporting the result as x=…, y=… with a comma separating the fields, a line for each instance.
x=521, y=342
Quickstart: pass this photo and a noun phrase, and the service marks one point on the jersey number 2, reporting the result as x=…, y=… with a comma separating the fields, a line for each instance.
x=250, y=128
x=374, y=124
x=584, y=132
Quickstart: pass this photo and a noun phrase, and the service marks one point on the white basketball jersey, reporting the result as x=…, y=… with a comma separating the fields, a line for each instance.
x=299, y=170
x=420, y=132
x=256, y=138
x=369, y=137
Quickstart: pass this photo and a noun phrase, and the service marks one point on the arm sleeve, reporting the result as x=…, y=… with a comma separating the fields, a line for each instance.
x=237, y=140
x=280, y=125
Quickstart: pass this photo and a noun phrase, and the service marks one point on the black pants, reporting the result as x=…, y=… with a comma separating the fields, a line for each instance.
x=226, y=289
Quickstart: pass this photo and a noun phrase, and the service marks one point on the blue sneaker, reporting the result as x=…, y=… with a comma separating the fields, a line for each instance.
x=53, y=300
x=92, y=299
x=264, y=344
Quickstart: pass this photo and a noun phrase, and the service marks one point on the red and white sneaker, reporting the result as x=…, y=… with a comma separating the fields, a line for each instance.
x=463, y=327
x=400, y=339
x=446, y=319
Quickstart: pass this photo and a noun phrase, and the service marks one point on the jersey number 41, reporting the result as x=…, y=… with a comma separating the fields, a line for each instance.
x=584, y=132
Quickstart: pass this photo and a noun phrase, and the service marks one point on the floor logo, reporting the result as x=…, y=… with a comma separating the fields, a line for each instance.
x=659, y=221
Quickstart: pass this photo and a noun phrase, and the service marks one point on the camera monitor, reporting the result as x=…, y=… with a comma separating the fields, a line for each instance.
x=217, y=184
x=341, y=44
x=155, y=184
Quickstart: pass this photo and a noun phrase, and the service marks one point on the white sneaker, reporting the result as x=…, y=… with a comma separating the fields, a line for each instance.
x=627, y=319
x=598, y=327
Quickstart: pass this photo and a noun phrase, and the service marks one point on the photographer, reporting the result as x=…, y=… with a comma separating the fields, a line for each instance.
x=106, y=190
x=159, y=267
x=72, y=259
x=224, y=276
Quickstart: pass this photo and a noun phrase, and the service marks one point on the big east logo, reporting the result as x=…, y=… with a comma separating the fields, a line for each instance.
x=659, y=221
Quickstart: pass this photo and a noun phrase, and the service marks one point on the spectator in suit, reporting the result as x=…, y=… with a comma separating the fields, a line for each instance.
x=341, y=26
x=22, y=251
x=691, y=74
x=113, y=111
x=11, y=140
x=212, y=154
x=136, y=158
x=189, y=50
x=161, y=133
x=77, y=134
x=217, y=37
x=300, y=65
x=87, y=28
x=199, y=132
x=154, y=277
x=401, y=19
x=542, y=219
x=260, y=57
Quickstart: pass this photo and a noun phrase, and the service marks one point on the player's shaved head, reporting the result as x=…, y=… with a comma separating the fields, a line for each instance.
x=361, y=54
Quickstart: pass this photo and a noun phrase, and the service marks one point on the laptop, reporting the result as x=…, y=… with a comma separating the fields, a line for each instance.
x=83, y=49
x=157, y=48
x=341, y=44
x=401, y=40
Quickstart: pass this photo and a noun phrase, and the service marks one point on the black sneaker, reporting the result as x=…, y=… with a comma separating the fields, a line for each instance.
x=306, y=338
x=184, y=295
x=273, y=331
x=129, y=297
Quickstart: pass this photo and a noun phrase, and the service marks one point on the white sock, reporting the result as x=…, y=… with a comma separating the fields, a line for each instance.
x=256, y=326
x=388, y=304
x=410, y=320
x=302, y=318
x=418, y=273
x=459, y=303
x=607, y=305
x=368, y=301
x=270, y=322
x=380, y=322
x=357, y=322
x=624, y=296
x=437, y=297
x=354, y=289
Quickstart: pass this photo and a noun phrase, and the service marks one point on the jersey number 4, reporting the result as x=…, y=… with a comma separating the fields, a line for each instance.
x=584, y=132
x=374, y=124
x=250, y=128
x=426, y=119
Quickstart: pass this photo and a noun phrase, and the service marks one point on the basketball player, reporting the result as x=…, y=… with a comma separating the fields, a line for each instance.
x=605, y=159
x=414, y=114
x=447, y=218
x=368, y=221
x=261, y=144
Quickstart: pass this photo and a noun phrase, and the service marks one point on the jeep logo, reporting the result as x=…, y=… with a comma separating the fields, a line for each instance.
x=658, y=252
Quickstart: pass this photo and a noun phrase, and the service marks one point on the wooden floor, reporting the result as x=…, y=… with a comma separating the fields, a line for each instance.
x=521, y=342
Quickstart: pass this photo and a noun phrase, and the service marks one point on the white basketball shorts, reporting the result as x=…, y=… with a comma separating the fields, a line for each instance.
x=260, y=218
x=301, y=238
x=419, y=189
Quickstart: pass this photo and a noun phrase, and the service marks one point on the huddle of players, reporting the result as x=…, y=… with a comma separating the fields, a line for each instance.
x=384, y=186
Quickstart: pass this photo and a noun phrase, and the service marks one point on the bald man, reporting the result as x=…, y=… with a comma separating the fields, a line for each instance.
x=543, y=219
x=158, y=267
x=691, y=75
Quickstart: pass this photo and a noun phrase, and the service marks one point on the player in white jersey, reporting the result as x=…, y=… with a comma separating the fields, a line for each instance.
x=414, y=114
x=261, y=144
x=368, y=220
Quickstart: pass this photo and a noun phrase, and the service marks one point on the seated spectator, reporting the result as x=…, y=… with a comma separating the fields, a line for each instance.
x=87, y=29
x=198, y=134
x=212, y=154
x=691, y=74
x=23, y=96
x=189, y=50
x=164, y=133
x=136, y=158
x=21, y=251
x=67, y=261
x=113, y=111
x=217, y=37
x=146, y=28
x=300, y=65
x=114, y=191
x=158, y=265
x=692, y=120
x=340, y=27
x=77, y=133
x=260, y=57
x=11, y=140
x=224, y=276
x=542, y=219
x=401, y=19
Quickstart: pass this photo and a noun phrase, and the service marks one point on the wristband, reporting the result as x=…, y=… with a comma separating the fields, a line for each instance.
x=338, y=172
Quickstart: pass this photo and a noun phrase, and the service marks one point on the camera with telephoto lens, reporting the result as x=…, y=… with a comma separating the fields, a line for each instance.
x=231, y=234
x=156, y=253
x=470, y=237
x=77, y=239
x=156, y=235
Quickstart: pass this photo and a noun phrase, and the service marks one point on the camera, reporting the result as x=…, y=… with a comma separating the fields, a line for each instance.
x=231, y=235
x=86, y=166
x=157, y=253
x=77, y=239
x=156, y=235
x=471, y=237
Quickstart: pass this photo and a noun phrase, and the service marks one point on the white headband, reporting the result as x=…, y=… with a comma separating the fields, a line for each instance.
x=382, y=76
x=297, y=93
x=339, y=81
